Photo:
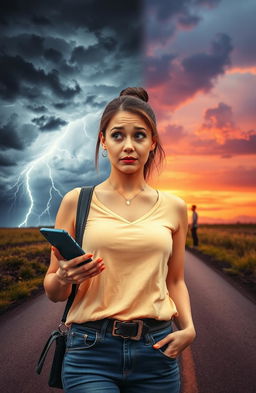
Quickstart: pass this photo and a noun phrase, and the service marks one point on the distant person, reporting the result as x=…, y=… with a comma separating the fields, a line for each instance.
x=194, y=226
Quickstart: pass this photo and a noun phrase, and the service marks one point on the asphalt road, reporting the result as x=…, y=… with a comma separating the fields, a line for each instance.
x=221, y=360
x=224, y=351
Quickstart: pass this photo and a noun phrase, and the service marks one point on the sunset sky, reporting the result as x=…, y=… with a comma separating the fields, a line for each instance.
x=61, y=63
x=201, y=76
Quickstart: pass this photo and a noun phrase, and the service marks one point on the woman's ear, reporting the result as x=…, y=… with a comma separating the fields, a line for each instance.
x=102, y=139
x=153, y=143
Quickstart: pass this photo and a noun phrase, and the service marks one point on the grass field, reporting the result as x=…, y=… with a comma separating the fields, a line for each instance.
x=232, y=246
x=24, y=259
x=24, y=256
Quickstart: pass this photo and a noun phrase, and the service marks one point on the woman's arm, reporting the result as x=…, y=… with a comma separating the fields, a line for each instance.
x=57, y=289
x=179, y=340
x=175, y=279
x=61, y=274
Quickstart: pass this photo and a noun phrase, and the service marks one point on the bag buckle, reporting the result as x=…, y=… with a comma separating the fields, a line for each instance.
x=63, y=329
x=139, y=329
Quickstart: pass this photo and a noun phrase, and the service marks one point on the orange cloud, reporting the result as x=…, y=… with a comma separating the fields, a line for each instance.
x=242, y=70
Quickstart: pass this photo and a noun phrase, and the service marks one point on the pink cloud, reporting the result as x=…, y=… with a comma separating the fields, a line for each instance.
x=172, y=81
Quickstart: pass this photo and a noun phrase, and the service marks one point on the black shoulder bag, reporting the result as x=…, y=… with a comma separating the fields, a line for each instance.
x=60, y=335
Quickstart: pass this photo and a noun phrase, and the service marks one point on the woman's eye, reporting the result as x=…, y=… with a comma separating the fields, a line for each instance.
x=141, y=133
x=116, y=134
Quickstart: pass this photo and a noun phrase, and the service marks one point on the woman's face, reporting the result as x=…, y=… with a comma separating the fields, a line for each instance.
x=127, y=134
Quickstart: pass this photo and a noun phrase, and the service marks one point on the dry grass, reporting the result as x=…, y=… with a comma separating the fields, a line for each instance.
x=24, y=259
x=231, y=245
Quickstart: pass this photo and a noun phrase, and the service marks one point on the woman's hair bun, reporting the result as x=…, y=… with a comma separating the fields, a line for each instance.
x=138, y=92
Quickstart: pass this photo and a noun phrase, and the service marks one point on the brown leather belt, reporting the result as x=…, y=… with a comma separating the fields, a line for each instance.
x=133, y=329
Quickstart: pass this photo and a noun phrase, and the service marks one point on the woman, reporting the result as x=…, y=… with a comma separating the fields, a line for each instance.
x=121, y=336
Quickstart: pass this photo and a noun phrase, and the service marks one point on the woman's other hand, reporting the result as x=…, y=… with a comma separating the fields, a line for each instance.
x=69, y=273
x=177, y=340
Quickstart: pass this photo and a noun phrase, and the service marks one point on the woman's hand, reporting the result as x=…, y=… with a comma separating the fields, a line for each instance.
x=69, y=273
x=177, y=340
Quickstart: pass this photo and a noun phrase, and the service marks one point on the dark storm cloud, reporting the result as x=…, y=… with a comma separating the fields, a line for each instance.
x=30, y=45
x=81, y=55
x=53, y=55
x=61, y=61
x=133, y=42
x=48, y=123
x=43, y=52
x=16, y=73
x=34, y=60
x=92, y=101
x=94, y=54
x=163, y=10
x=209, y=3
x=183, y=8
x=194, y=73
x=166, y=16
x=16, y=136
x=188, y=21
x=37, y=108
x=6, y=161
x=158, y=69
x=61, y=105
x=40, y=21
x=10, y=137
x=94, y=14
x=202, y=68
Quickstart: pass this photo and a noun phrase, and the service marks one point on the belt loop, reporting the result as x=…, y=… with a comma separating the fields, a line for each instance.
x=104, y=328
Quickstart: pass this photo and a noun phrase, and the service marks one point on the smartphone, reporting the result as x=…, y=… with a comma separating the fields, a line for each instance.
x=65, y=243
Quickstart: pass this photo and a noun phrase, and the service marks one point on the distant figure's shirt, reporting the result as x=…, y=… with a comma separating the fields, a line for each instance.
x=136, y=255
x=194, y=219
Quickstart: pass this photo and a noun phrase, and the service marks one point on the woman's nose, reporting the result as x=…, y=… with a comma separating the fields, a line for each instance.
x=128, y=144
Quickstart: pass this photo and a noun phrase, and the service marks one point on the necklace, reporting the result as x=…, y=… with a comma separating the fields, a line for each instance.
x=127, y=201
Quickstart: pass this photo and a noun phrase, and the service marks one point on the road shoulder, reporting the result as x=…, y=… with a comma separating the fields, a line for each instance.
x=246, y=288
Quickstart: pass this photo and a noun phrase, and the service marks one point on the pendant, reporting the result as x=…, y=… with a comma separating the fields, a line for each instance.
x=128, y=202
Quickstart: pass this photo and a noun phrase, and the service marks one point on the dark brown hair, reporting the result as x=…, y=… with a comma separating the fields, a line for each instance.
x=134, y=100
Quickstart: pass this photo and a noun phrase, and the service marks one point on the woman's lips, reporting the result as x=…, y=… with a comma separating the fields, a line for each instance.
x=128, y=161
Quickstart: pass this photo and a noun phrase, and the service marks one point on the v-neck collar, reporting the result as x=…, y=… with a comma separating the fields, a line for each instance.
x=98, y=202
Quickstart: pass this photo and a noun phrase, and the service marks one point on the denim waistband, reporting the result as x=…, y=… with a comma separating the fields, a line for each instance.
x=131, y=327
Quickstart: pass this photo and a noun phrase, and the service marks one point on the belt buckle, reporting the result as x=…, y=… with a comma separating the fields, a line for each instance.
x=139, y=332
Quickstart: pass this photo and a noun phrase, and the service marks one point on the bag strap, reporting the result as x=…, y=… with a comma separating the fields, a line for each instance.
x=82, y=212
x=54, y=335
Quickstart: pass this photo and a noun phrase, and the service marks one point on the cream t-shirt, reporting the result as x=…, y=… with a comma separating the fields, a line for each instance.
x=135, y=254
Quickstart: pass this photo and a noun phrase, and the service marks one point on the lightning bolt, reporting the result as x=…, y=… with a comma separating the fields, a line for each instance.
x=47, y=209
x=24, y=178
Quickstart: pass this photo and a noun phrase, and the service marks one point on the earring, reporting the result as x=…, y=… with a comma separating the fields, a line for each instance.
x=102, y=153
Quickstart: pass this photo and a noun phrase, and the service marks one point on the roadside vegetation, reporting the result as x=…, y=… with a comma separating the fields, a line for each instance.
x=232, y=247
x=24, y=259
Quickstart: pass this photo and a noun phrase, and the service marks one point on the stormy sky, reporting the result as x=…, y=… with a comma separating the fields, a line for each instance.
x=61, y=63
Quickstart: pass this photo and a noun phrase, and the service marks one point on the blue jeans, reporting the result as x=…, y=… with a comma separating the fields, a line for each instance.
x=97, y=362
